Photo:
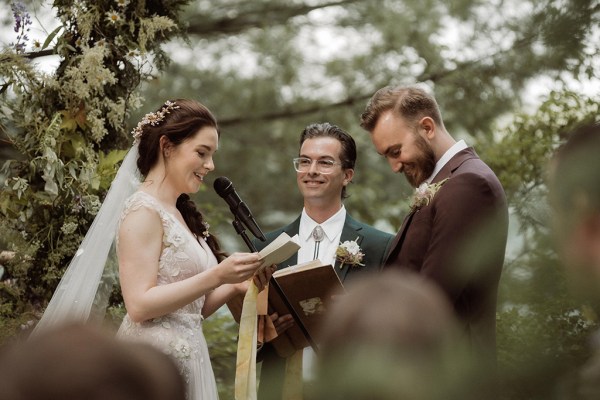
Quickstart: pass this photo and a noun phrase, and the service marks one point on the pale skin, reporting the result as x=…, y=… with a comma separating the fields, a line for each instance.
x=393, y=138
x=181, y=169
x=322, y=193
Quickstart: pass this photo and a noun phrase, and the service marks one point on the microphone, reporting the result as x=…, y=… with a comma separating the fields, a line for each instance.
x=240, y=210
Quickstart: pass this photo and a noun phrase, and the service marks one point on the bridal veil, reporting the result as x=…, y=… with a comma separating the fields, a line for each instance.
x=77, y=295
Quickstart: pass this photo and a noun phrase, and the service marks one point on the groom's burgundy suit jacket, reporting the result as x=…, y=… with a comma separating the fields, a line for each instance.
x=458, y=240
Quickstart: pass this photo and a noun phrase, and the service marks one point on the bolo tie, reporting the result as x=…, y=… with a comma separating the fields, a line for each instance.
x=318, y=236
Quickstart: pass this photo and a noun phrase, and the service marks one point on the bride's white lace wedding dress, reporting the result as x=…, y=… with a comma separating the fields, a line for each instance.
x=179, y=333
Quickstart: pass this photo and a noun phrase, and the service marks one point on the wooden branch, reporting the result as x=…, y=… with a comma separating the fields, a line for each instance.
x=359, y=98
x=42, y=53
x=256, y=17
x=434, y=76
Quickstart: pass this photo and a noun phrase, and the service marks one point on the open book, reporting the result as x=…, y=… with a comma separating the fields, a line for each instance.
x=308, y=288
x=279, y=250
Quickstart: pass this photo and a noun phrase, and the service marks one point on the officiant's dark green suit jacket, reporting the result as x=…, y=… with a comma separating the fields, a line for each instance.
x=374, y=245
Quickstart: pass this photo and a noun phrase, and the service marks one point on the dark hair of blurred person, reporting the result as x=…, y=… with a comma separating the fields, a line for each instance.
x=77, y=362
x=575, y=198
x=393, y=336
x=574, y=183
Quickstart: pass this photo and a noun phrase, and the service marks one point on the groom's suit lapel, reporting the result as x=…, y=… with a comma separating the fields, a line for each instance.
x=446, y=172
x=397, y=242
x=453, y=164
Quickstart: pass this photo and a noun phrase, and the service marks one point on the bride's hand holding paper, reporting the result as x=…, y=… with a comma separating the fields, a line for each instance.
x=238, y=267
x=259, y=277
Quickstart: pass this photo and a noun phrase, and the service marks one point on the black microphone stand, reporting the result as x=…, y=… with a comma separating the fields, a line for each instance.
x=239, y=228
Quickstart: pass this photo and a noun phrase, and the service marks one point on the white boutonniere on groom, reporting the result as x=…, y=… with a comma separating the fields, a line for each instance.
x=424, y=194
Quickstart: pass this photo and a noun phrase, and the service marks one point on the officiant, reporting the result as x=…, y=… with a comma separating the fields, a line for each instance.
x=324, y=169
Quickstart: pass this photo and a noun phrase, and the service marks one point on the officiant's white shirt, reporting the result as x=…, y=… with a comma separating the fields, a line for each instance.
x=333, y=232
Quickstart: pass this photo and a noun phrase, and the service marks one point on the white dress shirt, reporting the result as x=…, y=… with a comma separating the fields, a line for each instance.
x=333, y=232
x=451, y=152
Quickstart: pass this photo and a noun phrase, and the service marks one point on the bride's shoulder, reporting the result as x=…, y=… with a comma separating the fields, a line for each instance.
x=141, y=201
x=140, y=224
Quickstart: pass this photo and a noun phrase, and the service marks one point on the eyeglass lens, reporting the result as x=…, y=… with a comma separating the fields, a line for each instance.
x=303, y=164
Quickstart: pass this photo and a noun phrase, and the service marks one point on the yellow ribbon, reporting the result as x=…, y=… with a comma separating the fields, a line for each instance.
x=292, y=382
x=245, y=374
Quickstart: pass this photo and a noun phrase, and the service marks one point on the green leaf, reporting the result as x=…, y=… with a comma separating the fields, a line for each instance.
x=111, y=159
x=69, y=123
x=4, y=205
x=107, y=167
x=74, y=145
x=50, y=37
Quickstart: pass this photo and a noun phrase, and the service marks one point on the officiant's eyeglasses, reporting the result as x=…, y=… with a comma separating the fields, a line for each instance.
x=324, y=166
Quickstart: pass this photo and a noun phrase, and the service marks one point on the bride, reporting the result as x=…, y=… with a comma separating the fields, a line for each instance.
x=171, y=269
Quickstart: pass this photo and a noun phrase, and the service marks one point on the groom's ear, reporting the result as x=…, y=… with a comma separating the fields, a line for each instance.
x=427, y=126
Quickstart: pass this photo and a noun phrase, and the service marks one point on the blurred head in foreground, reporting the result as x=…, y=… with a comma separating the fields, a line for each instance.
x=77, y=362
x=575, y=198
x=393, y=336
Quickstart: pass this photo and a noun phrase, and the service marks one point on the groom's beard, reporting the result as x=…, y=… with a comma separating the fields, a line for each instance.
x=422, y=167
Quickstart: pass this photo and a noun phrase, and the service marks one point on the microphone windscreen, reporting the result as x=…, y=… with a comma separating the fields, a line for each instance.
x=221, y=185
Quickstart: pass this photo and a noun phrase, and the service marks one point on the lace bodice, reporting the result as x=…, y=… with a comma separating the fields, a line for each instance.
x=183, y=255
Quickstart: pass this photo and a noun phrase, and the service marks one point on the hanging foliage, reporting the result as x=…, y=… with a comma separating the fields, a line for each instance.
x=69, y=130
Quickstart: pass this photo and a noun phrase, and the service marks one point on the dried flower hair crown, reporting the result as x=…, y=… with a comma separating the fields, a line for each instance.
x=153, y=119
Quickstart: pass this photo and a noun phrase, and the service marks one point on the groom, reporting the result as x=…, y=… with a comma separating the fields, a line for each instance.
x=456, y=231
x=324, y=168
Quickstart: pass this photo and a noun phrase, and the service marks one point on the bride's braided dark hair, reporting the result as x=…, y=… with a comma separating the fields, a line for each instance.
x=181, y=121
x=195, y=221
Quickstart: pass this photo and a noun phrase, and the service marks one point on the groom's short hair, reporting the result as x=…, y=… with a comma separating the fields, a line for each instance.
x=409, y=102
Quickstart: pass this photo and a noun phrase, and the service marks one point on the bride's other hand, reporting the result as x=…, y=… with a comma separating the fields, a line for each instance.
x=261, y=279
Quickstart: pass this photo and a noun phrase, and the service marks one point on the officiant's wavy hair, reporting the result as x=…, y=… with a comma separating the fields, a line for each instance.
x=178, y=126
x=325, y=129
x=409, y=102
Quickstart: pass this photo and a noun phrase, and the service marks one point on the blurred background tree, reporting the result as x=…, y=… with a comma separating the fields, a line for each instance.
x=510, y=76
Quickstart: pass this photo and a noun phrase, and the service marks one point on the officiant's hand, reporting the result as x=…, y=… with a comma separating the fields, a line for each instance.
x=282, y=323
x=262, y=278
